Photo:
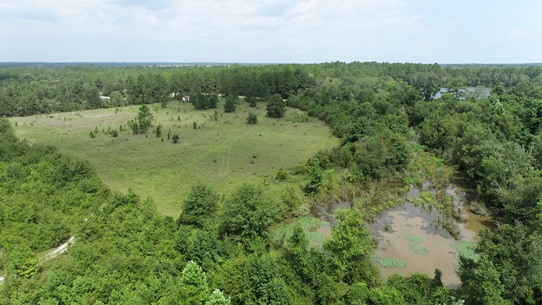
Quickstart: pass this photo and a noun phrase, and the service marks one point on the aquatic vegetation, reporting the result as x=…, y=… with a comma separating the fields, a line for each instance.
x=388, y=262
x=418, y=249
x=416, y=201
x=414, y=238
x=282, y=232
x=466, y=249
x=429, y=198
x=416, y=244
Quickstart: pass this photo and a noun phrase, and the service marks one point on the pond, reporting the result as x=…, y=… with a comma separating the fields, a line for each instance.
x=415, y=235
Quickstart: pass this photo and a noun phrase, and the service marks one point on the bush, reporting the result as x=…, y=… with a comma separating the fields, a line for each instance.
x=252, y=118
x=201, y=101
x=231, y=103
x=176, y=138
x=281, y=175
x=252, y=102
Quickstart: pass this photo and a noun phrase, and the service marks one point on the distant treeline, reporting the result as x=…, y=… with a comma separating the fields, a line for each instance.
x=27, y=90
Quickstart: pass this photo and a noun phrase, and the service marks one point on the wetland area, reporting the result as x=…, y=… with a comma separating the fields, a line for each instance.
x=418, y=235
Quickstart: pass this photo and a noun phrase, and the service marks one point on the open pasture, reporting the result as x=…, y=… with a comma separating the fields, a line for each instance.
x=222, y=151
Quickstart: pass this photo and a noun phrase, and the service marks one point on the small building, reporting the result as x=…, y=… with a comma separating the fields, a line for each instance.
x=186, y=98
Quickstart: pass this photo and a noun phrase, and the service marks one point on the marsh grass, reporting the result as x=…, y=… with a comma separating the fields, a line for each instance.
x=223, y=151
x=426, y=167
x=377, y=196
x=429, y=198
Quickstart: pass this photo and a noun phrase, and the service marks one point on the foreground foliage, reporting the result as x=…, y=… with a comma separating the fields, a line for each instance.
x=219, y=250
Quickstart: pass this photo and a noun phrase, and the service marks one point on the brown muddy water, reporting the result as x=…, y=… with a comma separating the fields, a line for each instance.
x=412, y=233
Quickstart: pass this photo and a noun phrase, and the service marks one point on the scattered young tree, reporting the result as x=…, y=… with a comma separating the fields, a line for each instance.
x=231, y=103
x=144, y=118
x=176, y=138
x=142, y=122
x=158, y=130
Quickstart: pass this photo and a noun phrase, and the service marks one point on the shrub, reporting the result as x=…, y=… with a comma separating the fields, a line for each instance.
x=231, y=103
x=252, y=102
x=252, y=118
x=282, y=175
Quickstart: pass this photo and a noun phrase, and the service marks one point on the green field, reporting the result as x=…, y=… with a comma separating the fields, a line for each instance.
x=222, y=153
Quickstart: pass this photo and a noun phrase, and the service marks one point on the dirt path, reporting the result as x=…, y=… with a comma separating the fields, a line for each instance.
x=56, y=252
x=51, y=254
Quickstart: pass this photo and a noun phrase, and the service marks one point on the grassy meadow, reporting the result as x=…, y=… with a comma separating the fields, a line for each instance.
x=223, y=151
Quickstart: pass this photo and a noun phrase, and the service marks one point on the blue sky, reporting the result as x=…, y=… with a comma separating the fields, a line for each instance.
x=266, y=31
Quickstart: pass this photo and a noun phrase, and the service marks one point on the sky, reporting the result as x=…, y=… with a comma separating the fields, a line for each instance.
x=266, y=31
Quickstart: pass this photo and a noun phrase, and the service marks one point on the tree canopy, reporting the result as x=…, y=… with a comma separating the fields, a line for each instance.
x=276, y=106
x=220, y=250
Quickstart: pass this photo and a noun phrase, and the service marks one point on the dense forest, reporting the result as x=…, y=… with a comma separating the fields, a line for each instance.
x=219, y=250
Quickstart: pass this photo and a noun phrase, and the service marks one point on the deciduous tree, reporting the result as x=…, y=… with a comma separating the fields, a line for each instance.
x=200, y=206
x=276, y=106
x=246, y=214
x=350, y=248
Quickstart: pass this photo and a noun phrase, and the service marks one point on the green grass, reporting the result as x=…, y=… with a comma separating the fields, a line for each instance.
x=222, y=153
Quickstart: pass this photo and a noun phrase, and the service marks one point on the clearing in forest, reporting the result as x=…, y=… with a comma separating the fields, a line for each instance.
x=214, y=147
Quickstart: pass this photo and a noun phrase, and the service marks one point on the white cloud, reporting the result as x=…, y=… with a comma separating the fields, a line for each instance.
x=518, y=33
x=239, y=30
